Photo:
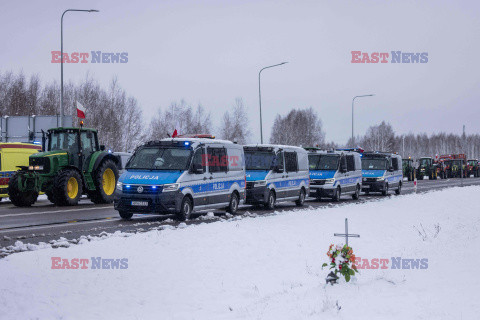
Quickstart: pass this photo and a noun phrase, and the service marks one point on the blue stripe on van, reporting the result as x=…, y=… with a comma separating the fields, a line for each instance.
x=289, y=183
x=214, y=186
x=322, y=174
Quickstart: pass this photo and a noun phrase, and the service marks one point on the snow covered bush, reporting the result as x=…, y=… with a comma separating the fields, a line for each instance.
x=342, y=260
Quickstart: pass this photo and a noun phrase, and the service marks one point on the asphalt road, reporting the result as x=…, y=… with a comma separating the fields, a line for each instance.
x=45, y=222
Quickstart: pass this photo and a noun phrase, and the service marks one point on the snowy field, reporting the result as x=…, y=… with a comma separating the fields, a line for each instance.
x=266, y=267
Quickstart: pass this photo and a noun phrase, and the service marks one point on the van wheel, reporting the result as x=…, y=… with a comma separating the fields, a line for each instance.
x=356, y=195
x=337, y=194
x=301, y=198
x=233, y=206
x=270, y=204
x=125, y=215
x=399, y=190
x=185, y=209
x=385, y=190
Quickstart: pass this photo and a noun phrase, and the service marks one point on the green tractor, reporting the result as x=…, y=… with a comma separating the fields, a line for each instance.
x=73, y=164
x=426, y=168
x=408, y=169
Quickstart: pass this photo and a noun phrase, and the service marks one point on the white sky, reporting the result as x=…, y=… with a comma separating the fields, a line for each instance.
x=210, y=52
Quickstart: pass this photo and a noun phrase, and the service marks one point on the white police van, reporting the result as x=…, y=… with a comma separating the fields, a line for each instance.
x=276, y=173
x=180, y=175
x=381, y=172
x=334, y=173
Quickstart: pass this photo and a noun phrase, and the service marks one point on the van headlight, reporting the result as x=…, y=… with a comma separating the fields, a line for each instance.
x=171, y=187
x=330, y=181
x=381, y=179
x=260, y=183
x=119, y=186
x=364, y=179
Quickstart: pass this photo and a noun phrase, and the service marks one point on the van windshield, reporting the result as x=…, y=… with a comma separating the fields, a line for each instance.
x=259, y=160
x=374, y=164
x=323, y=161
x=155, y=158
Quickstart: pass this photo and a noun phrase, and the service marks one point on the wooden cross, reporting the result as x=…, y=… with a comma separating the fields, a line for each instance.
x=346, y=234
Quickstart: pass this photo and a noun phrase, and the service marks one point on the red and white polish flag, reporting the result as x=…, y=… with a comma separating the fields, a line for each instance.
x=80, y=111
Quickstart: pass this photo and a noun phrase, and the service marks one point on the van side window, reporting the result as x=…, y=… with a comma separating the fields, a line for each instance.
x=343, y=162
x=358, y=163
x=217, y=159
x=235, y=159
x=291, y=164
x=395, y=163
x=199, y=158
x=350, y=163
x=279, y=160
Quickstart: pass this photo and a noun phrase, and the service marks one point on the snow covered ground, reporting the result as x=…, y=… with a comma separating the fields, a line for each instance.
x=266, y=267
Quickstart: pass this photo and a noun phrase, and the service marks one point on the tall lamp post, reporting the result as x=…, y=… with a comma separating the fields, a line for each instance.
x=353, y=101
x=260, y=96
x=61, y=62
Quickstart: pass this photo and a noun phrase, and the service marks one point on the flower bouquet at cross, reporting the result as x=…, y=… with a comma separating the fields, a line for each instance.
x=342, y=260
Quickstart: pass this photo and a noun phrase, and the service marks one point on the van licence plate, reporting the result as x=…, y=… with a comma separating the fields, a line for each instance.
x=365, y=186
x=140, y=203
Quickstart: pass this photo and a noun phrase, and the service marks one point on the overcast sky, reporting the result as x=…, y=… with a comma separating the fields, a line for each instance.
x=210, y=52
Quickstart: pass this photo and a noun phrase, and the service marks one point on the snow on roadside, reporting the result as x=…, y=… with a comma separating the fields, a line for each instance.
x=266, y=267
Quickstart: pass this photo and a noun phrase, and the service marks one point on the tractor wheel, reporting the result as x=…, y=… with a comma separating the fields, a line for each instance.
x=67, y=188
x=20, y=198
x=105, y=179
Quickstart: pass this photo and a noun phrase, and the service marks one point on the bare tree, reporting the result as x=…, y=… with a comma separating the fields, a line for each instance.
x=235, y=123
x=380, y=138
x=298, y=127
x=182, y=117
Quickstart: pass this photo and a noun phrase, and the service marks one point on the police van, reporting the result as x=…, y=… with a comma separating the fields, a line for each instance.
x=334, y=173
x=381, y=172
x=180, y=175
x=276, y=173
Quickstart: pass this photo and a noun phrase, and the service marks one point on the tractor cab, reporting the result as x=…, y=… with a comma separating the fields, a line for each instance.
x=408, y=167
x=78, y=143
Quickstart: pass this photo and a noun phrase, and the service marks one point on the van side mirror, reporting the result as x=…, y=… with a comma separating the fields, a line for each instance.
x=343, y=167
x=102, y=147
x=390, y=169
x=196, y=168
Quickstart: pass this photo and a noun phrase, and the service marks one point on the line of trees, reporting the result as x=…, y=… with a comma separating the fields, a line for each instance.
x=119, y=119
x=382, y=137
x=116, y=114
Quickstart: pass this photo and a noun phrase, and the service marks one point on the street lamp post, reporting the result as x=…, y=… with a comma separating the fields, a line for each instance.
x=353, y=101
x=260, y=97
x=61, y=62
